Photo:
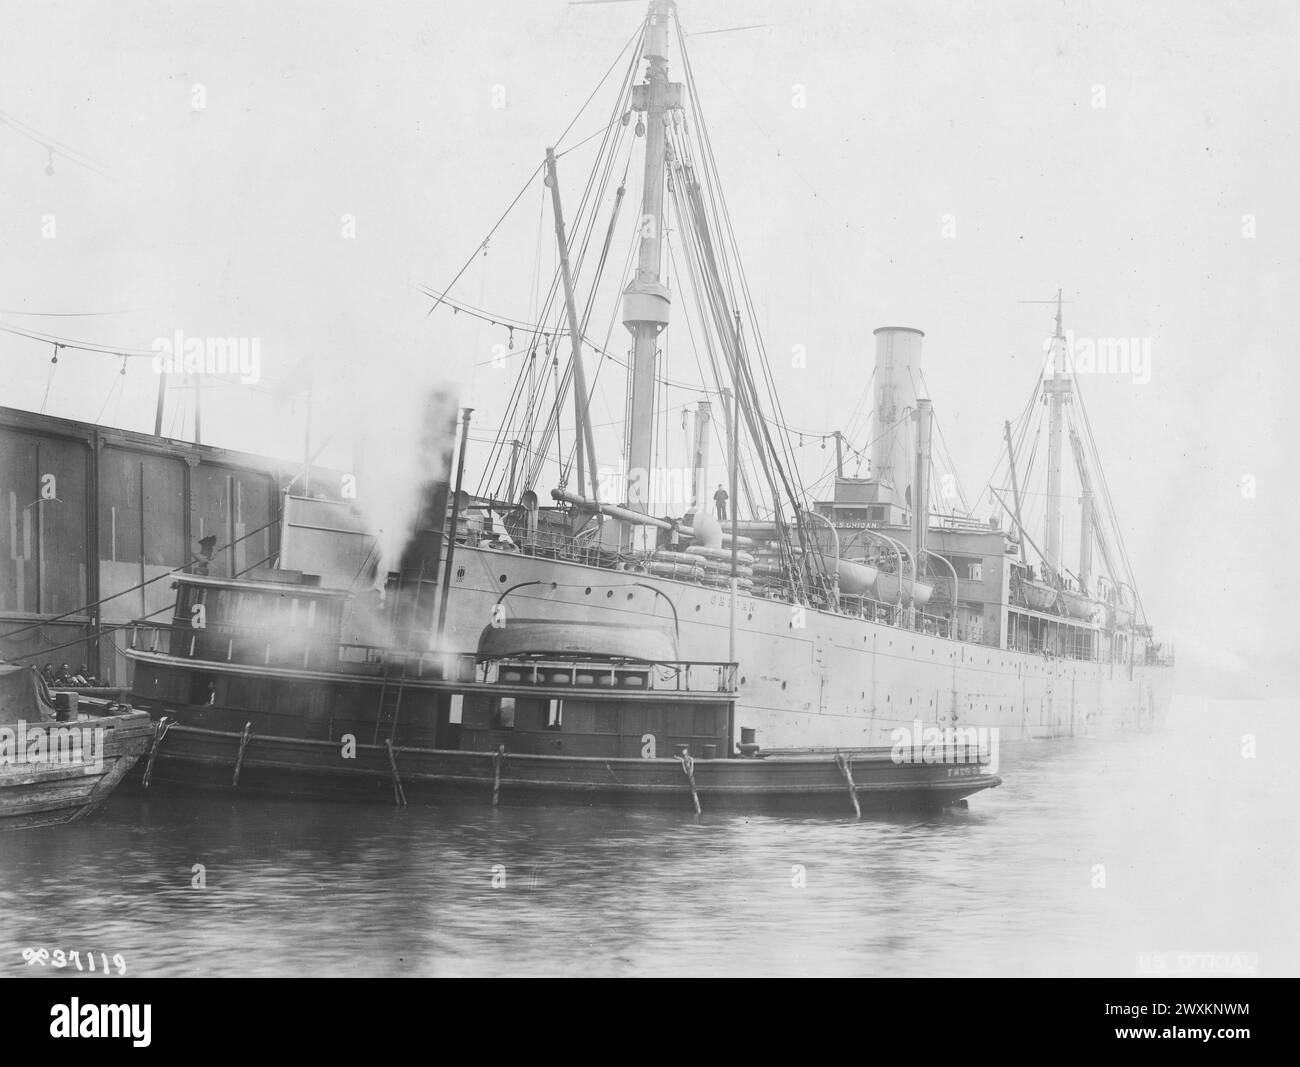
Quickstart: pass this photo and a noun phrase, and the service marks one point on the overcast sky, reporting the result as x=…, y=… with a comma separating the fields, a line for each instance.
x=291, y=171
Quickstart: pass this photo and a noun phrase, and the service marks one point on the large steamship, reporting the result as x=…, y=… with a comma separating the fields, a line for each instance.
x=879, y=606
x=832, y=620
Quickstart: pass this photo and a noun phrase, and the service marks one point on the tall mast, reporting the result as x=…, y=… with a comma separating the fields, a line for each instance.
x=921, y=484
x=646, y=299
x=700, y=457
x=1057, y=393
x=1088, y=528
x=582, y=424
x=1011, y=460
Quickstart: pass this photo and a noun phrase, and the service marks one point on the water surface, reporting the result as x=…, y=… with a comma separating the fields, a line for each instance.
x=1196, y=846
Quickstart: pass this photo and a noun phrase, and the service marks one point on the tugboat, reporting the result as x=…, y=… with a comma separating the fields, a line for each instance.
x=254, y=688
x=59, y=765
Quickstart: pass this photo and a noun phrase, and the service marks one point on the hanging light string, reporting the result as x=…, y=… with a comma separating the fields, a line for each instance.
x=54, y=363
x=54, y=148
x=80, y=346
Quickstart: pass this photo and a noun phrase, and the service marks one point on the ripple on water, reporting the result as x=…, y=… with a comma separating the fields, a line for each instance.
x=1196, y=848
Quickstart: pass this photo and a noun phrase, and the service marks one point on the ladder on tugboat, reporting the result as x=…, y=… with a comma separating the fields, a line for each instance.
x=390, y=697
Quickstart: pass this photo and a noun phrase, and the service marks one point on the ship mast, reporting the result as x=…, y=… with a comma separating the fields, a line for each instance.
x=646, y=299
x=1056, y=393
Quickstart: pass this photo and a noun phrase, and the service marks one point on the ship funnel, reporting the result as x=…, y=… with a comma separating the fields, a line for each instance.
x=897, y=377
x=421, y=556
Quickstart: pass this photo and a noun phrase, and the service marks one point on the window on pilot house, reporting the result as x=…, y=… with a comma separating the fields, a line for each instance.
x=203, y=689
x=505, y=714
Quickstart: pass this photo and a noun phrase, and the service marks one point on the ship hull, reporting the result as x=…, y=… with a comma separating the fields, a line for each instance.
x=812, y=679
x=194, y=758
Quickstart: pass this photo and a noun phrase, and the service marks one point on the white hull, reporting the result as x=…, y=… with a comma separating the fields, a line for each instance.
x=815, y=679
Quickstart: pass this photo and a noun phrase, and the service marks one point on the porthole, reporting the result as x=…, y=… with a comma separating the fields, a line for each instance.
x=783, y=685
x=609, y=593
x=588, y=591
x=697, y=607
x=502, y=579
x=629, y=596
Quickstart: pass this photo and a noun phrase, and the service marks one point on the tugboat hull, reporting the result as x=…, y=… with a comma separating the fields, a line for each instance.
x=192, y=757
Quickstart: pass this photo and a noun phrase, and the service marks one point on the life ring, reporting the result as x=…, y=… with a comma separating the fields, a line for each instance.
x=669, y=556
x=721, y=554
x=675, y=570
x=725, y=572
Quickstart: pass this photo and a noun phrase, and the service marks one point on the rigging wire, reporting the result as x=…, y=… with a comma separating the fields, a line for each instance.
x=56, y=148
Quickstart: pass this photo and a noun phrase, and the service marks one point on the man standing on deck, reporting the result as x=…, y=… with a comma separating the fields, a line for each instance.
x=720, y=497
x=202, y=562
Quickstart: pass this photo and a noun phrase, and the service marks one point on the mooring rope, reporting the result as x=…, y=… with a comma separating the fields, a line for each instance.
x=160, y=731
x=846, y=768
x=498, y=758
x=688, y=766
x=399, y=794
x=244, y=738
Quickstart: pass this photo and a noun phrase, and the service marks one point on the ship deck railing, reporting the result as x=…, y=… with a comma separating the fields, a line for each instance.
x=552, y=546
x=297, y=650
x=713, y=677
x=1040, y=648
x=219, y=644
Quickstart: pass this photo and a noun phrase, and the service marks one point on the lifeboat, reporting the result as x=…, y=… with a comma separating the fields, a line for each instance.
x=1078, y=606
x=856, y=576
x=1038, y=596
x=889, y=588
